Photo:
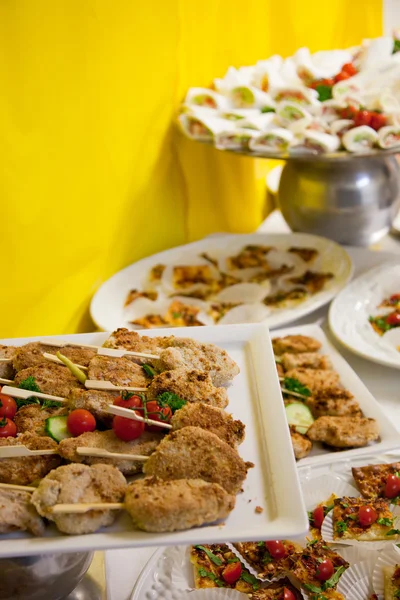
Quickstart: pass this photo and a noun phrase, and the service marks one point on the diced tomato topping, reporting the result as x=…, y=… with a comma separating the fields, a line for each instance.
x=392, y=487
x=232, y=572
x=393, y=319
x=318, y=516
x=350, y=69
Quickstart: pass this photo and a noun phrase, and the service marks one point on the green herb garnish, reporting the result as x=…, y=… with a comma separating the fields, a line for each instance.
x=267, y=109
x=249, y=578
x=380, y=322
x=50, y=404
x=341, y=527
x=204, y=573
x=148, y=369
x=344, y=505
x=393, y=532
x=3, y=422
x=293, y=385
x=29, y=384
x=215, y=559
x=324, y=92
x=396, y=46
x=172, y=400
x=328, y=508
x=353, y=517
x=386, y=522
x=312, y=588
x=397, y=594
x=334, y=579
x=312, y=542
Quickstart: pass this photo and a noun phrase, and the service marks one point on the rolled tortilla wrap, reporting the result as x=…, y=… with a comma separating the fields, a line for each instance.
x=238, y=139
x=359, y=138
x=275, y=141
x=389, y=137
x=321, y=142
x=202, y=128
x=206, y=98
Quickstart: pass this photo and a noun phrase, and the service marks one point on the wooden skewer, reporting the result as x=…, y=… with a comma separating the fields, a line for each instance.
x=54, y=358
x=63, y=344
x=104, y=351
x=19, y=393
x=94, y=384
x=17, y=451
x=5, y=360
x=6, y=381
x=130, y=414
x=21, y=488
x=285, y=391
x=81, y=508
x=81, y=450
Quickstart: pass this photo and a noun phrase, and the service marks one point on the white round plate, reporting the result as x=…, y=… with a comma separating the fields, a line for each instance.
x=349, y=312
x=107, y=306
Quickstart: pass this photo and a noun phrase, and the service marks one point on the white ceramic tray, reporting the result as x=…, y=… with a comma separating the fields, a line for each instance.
x=349, y=312
x=390, y=437
x=107, y=306
x=255, y=399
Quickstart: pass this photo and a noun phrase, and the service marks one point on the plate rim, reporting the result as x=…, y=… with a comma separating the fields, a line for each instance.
x=272, y=323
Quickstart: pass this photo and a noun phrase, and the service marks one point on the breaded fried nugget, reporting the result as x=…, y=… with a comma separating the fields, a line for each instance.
x=344, y=432
x=17, y=513
x=7, y=370
x=32, y=418
x=120, y=371
x=315, y=379
x=295, y=344
x=212, y=419
x=22, y=471
x=107, y=440
x=191, y=385
x=156, y=505
x=133, y=341
x=51, y=378
x=339, y=403
x=302, y=446
x=194, y=453
x=31, y=355
x=74, y=484
x=307, y=360
x=95, y=401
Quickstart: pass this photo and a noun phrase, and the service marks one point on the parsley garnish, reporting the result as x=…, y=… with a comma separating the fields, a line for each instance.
x=334, y=579
x=380, y=322
x=397, y=594
x=3, y=422
x=261, y=544
x=328, y=508
x=353, y=517
x=396, y=46
x=312, y=588
x=249, y=578
x=312, y=542
x=215, y=559
x=293, y=385
x=204, y=573
x=28, y=384
x=341, y=527
x=267, y=109
x=171, y=400
x=50, y=404
x=344, y=505
x=393, y=532
x=386, y=522
x=324, y=92
x=148, y=369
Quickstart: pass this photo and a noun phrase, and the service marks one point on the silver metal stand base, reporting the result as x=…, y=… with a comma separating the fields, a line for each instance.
x=352, y=201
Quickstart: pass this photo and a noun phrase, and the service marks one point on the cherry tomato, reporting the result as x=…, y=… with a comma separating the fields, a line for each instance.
x=350, y=69
x=325, y=570
x=127, y=429
x=318, y=516
x=363, y=117
x=395, y=298
x=342, y=76
x=367, y=515
x=392, y=487
x=349, y=112
x=288, y=594
x=80, y=421
x=156, y=413
x=377, y=121
x=328, y=82
x=393, y=319
x=132, y=402
x=232, y=572
x=8, y=406
x=7, y=428
x=276, y=549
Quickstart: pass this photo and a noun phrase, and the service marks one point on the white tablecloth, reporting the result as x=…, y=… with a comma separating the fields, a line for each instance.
x=123, y=566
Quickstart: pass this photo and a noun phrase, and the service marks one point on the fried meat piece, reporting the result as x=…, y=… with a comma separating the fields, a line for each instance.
x=32, y=418
x=133, y=341
x=191, y=385
x=95, y=401
x=107, y=440
x=338, y=403
x=31, y=355
x=371, y=480
x=17, y=513
x=204, y=357
x=344, y=432
x=308, y=360
x=7, y=370
x=194, y=453
x=295, y=344
x=51, y=378
x=302, y=446
x=156, y=505
x=212, y=419
x=315, y=379
x=22, y=471
x=120, y=371
x=74, y=484
x=307, y=254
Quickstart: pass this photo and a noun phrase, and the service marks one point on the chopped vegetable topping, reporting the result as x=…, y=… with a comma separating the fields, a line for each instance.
x=148, y=369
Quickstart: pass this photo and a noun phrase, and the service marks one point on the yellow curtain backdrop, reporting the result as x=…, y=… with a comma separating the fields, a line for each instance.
x=93, y=175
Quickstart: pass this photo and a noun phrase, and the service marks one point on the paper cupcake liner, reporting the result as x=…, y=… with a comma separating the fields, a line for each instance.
x=182, y=577
x=356, y=573
x=212, y=594
x=360, y=591
x=317, y=490
x=327, y=532
x=388, y=558
x=354, y=554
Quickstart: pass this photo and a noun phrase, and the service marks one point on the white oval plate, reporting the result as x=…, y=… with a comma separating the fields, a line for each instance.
x=349, y=312
x=107, y=306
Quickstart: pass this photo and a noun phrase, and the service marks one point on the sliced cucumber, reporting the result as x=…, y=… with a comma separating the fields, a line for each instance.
x=299, y=415
x=56, y=428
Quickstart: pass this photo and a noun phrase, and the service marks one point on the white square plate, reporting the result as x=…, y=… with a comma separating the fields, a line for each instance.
x=255, y=399
x=389, y=435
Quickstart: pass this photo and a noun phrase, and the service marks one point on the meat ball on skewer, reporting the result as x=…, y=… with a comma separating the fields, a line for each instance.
x=76, y=483
x=191, y=385
x=95, y=401
x=307, y=360
x=295, y=344
x=302, y=446
x=152, y=503
x=134, y=342
x=107, y=440
x=7, y=370
x=344, y=432
x=120, y=371
x=17, y=513
x=32, y=418
x=24, y=470
x=212, y=419
x=50, y=378
x=194, y=453
x=31, y=355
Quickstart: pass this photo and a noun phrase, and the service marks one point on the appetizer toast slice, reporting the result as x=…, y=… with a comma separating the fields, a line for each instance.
x=363, y=520
x=378, y=480
x=269, y=559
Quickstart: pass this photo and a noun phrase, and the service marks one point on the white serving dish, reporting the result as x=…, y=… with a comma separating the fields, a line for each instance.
x=349, y=312
x=255, y=399
x=107, y=306
x=390, y=436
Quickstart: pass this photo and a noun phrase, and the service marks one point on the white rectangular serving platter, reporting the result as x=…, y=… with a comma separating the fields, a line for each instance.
x=255, y=399
x=390, y=436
